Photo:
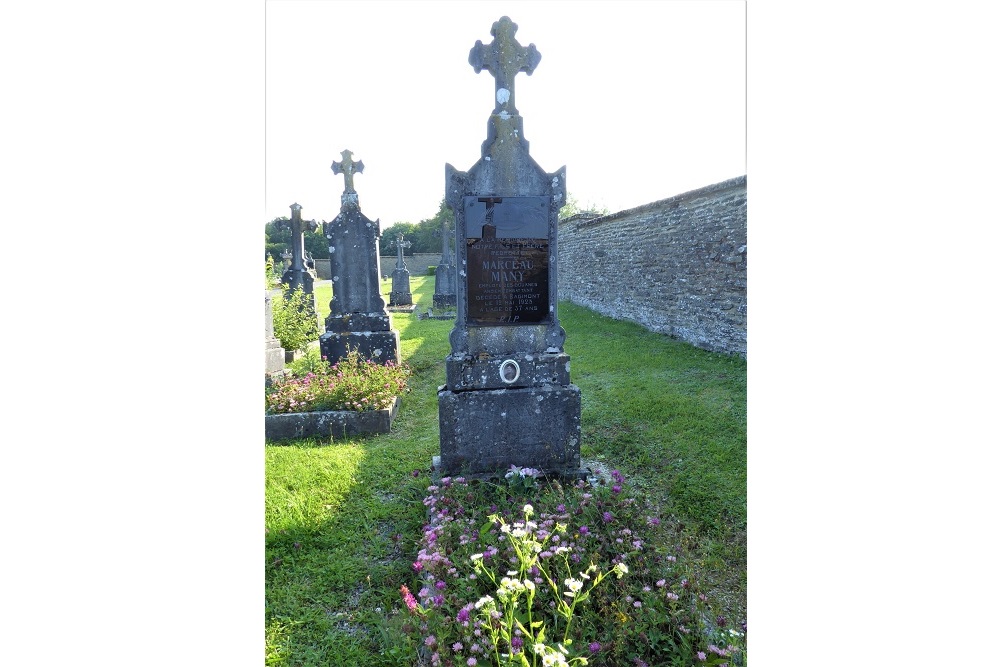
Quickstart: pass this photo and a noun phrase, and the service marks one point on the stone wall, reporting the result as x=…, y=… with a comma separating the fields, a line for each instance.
x=676, y=266
x=416, y=263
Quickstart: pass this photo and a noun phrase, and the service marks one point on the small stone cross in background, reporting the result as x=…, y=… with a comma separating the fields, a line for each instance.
x=400, y=244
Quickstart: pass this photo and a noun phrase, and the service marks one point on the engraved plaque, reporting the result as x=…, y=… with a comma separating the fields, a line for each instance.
x=507, y=259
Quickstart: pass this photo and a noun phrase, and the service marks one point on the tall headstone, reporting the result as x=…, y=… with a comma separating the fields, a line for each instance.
x=508, y=399
x=444, y=274
x=400, y=294
x=298, y=274
x=358, y=318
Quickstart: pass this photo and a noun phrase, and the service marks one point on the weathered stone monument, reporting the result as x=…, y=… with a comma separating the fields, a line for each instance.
x=507, y=398
x=274, y=354
x=297, y=273
x=358, y=318
x=444, y=274
x=400, y=296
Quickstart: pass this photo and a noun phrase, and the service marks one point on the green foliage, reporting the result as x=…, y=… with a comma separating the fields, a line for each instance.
x=272, y=278
x=294, y=317
x=526, y=564
x=352, y=383
x=277, y=241
x=573, y=206
x=431, y=269
x=425, y=235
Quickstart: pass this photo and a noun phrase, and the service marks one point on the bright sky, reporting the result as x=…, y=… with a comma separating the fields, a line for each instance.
x=639, y=100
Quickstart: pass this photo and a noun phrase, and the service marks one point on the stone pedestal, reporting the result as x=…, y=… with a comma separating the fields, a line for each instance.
x=274, y=354
x=485, y=432
x=368, y=333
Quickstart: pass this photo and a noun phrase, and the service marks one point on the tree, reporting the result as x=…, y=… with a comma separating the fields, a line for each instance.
x=425, y=235
x=389, y=234
x=278, y=240
x=573, y=206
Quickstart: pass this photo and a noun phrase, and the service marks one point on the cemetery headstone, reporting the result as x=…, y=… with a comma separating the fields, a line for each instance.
x=274, y=354
x=400, y=294
x=358, y=318
x=444, y=274
x=508, y=399
x=299, y=274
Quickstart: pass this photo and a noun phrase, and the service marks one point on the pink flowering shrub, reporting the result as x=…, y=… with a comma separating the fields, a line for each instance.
x=352, y=383
x=508, y=578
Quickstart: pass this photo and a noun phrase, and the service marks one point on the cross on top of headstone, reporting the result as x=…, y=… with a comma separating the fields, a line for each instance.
x=348, y=167
x=400, y=244
x=504, y=58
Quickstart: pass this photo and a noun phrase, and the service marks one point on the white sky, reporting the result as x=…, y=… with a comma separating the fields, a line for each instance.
x=640, y=100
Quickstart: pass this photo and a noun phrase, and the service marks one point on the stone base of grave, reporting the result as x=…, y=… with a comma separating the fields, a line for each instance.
x=400, y=299
x=402, y=309
x=274, y=356
x=464, y=373
x=379, y=346
x=329, y=424
x=586, y=473
x=486, y=432
x=443, y=301
x=431, y=314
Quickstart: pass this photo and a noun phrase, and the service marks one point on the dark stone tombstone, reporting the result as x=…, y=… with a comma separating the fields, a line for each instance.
x=297, y=273
x=444, y=274
x=400, y=294
x=507, y=398
x=358, y=318
x=300, y=269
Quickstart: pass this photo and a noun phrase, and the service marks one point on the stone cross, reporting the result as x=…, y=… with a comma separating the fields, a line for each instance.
x=348, y=167
x=504, y=58
x=445, y=245
x=298, y=227
x=400, y=244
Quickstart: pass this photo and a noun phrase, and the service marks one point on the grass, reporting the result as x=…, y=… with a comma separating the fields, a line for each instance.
x=344, y=518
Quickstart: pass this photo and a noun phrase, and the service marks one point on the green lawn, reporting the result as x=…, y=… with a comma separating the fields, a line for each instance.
x=343, y=518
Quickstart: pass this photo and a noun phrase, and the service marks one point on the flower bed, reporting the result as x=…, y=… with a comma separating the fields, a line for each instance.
x=517, y=573
x=352, y=397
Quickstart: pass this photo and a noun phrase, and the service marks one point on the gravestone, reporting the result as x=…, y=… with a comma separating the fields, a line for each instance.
x=400, y=294
x=274, y=354
x=444, y=274
x=507, y=398
x=358, y=318
x=298, y=273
